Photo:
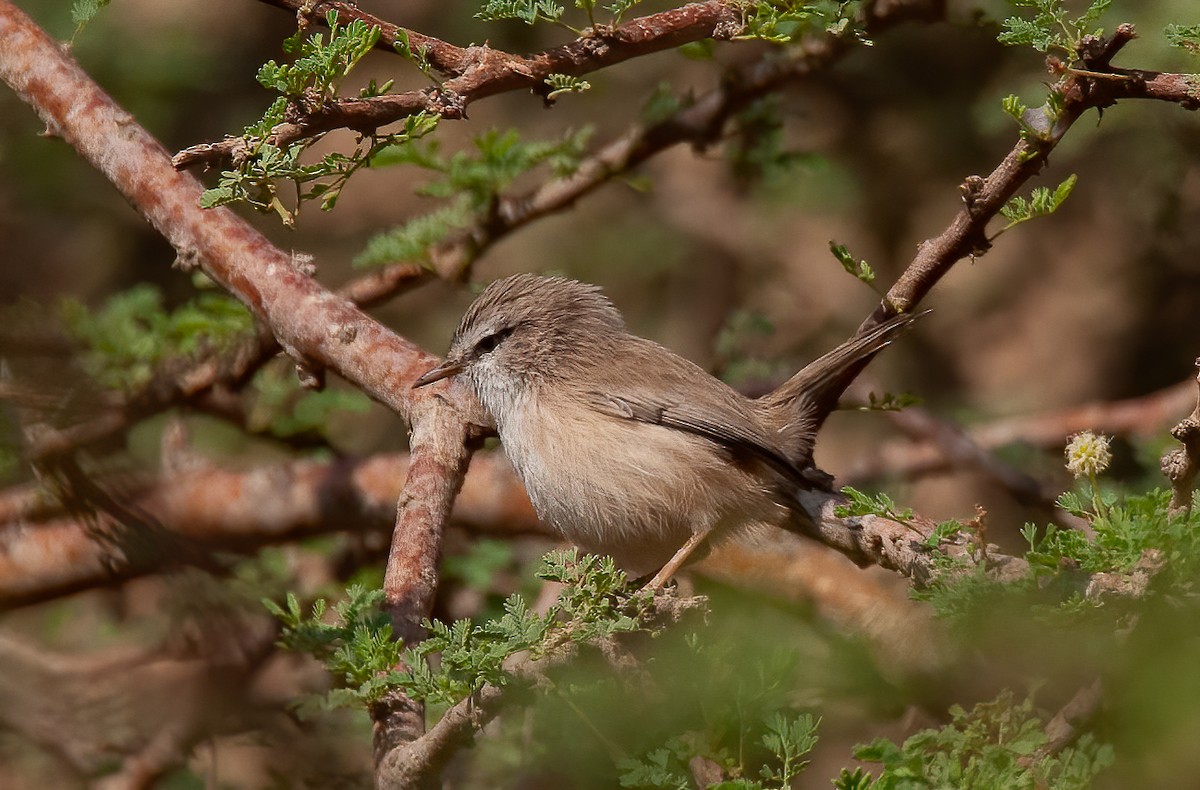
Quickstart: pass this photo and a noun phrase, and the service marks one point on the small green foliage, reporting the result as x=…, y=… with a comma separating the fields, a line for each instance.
x=320, y=67
x=858, y=268
x=619, y=8
x=1041, y=203
x=862, y=504
x=282, y=408
x=528, y=11
x=1014, y=107
x=1125, y=529
x=357, y=648
x=133, y=334
x=472, y=655
x=756, y=148
x=1051, y=27
x=418, y=57
x=595, y=601
x=784, y=21
x=255, y=180
x=989, y=746
x=786, y=738
x=1184, y=37
x=890, y=401
x=565, y=83
x=414, y=240
x=307, y=84
x=499, y=158
x=789, y=739
x=1036, y=127
x=83, y=12
x=470, y=181
x=943, y=531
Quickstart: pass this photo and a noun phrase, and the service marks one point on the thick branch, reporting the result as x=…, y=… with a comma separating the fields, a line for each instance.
x=439, y=460
x=310, y=323
x=229, y=510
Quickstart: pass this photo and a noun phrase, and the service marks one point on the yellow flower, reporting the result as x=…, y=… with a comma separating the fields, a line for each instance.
x=1088, y=454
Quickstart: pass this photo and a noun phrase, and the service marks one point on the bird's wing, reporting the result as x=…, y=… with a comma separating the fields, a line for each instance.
x=677, y=394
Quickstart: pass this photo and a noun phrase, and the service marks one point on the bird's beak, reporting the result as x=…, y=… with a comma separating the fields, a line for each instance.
x=442, y=371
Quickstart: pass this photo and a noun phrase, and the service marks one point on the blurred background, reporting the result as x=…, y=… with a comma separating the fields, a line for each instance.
x=1095, y=303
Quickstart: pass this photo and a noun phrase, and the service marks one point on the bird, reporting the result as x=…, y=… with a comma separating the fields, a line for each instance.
x=627, y=448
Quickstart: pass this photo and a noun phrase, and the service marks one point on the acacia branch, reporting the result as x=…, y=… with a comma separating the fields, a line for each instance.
x=485, y=72
x=47, y=554
x=310, y=323
x=984, y=197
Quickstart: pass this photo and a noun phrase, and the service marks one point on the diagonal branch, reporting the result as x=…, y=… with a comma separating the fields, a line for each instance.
x=1097, y=86
x=485, y=72
x=983, y=198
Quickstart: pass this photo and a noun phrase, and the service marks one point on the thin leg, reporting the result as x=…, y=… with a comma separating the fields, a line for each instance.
x=676, y=562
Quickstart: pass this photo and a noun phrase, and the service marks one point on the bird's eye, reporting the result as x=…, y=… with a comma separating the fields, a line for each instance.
x=489, y=342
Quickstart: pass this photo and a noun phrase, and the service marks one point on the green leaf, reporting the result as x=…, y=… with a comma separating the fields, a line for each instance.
x=1041, y=202
x=528, y=11
x=862, y=504
x=84, y=11
x=858, y=268
x=1184, y=37
x=564, y=83
x=1050, y=27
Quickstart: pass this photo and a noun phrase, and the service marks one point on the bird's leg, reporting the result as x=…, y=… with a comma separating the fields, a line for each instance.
x=676, y=562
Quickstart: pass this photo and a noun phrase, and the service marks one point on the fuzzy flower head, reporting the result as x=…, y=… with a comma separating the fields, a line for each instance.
x=1087, y=454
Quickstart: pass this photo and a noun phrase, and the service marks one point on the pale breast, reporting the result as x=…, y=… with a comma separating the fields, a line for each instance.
x=629, y=489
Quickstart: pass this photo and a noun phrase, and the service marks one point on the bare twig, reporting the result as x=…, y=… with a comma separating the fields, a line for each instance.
x=984, y=197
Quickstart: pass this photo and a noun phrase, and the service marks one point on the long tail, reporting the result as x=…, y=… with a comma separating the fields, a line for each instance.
x=800, y=405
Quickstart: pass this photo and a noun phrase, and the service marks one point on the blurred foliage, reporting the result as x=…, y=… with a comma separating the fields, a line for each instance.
x=996, y=744
x=470, y=182
x=133, y=336
x=282, y=408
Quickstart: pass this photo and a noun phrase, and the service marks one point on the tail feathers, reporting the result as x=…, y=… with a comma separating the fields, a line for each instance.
x=800, y=405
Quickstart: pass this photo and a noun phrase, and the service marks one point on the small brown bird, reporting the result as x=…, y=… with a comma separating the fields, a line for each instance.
x=625, y=447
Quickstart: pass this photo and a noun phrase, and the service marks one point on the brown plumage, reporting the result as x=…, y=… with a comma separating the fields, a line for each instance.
x=627, y=448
